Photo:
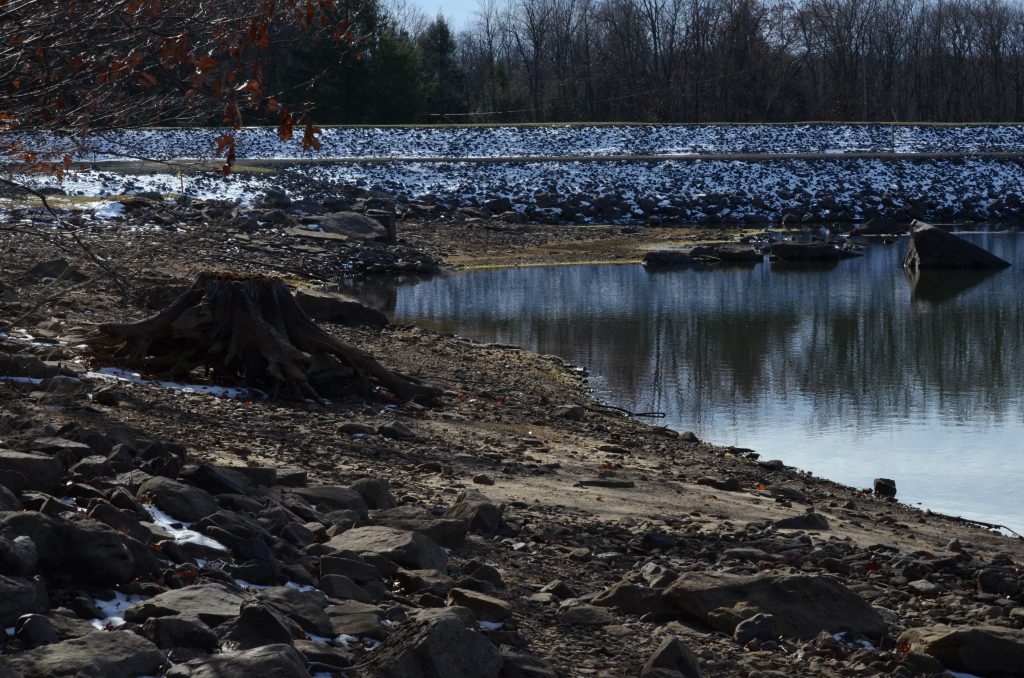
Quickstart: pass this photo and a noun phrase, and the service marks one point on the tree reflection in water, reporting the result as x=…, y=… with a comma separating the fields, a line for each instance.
x=822, y=358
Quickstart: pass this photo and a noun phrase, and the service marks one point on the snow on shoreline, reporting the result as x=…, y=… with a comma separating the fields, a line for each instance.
x=728, y=190
x=560, y=140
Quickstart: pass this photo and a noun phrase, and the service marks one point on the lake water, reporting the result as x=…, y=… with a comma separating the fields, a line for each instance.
x=851, y=372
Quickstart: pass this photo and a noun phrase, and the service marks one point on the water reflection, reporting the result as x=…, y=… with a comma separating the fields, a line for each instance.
x=931, y=286
x=834, y=370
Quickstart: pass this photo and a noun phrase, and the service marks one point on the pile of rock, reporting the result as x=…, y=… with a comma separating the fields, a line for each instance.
x=120, y=555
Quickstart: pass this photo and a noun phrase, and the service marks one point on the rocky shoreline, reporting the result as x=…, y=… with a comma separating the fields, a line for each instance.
x=517, y=528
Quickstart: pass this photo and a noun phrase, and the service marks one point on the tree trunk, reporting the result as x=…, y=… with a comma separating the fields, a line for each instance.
x=250, y=330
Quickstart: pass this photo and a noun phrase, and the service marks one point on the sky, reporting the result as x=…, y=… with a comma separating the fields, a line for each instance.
x=458, y=12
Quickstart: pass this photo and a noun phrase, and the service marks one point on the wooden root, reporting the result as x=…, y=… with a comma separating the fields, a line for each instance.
x=250, y=330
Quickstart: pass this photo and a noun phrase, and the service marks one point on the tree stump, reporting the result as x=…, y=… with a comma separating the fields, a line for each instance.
x=250, y=330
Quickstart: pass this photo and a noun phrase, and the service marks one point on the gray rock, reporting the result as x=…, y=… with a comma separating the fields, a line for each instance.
x=807, y=521
x=630, y=598
x=672, y=659
x=519, y=664
x=480, y=514
x=885, y=487
x=97, y=553
x=35, y=630
x=114, y=654
x=40, y=472
x=279, y=661
x=991, y=651
x=376, y=493
x=273, y=199
x=788, y=492
x=805, y=251
x=666, y=258
x=571, y=412
x=43, y=532
x=18, y=557
x=803, y=605
x=396, y=430
x=337, y=308
x=450, y=532
x=585, y=615
x=353, y=225
x=353, y=618
x=305, y=608
x=343, y=588
x=178, y=500
x=1001, y=581
x=19, y=596
x=932, y=247
x=217, y=479
x=258, y=625
x=351, y=566
x=8, y=500
x=56, y=269
x=170, y=632
x=436, y=644
x=333, y=498
x=486, y=608
x=213, y=603
x=408, y=549
x=760, y=626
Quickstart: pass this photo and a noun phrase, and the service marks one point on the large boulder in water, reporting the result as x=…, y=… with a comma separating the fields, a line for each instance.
x=807, y=251
x=933, y=247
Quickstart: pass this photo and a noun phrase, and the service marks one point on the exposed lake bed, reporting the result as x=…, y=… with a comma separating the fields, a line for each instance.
x=577, y=540
x=852, y=373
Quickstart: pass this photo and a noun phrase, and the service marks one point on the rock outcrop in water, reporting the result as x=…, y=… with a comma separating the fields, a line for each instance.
x=933, y=247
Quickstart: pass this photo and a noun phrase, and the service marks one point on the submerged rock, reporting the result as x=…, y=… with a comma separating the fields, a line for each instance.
x=808, y=251
x=666, y=258
x=933, y=247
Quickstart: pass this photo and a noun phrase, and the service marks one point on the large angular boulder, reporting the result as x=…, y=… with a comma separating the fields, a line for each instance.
x=478, y=511
x=803, y=605
x=353, y=225
x=38, y=471
x=402, y=547
x=212, y=603
x=279, y=661
x=178, y=500
x=337, y=308
x=933, y=247
x=97, y=553
x=329, y=498
x=436, y=644
x=672, y=658
x=450, y=532
x=113, y=654
x=990, y=651
x=19, y=596
x=305, y=608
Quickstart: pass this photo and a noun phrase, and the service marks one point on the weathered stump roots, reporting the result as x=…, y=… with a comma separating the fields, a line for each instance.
x=249, y=330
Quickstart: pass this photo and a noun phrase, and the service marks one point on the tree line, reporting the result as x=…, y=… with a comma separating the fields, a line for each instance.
x=673, y=61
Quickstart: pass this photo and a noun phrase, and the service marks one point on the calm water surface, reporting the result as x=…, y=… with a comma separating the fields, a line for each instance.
x=851, y=372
